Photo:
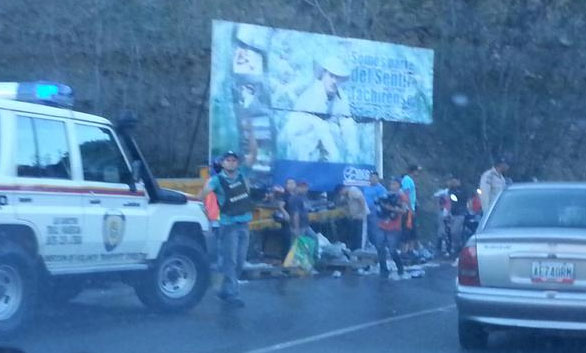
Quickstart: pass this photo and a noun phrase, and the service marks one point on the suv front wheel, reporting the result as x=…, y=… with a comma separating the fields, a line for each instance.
x=18, y=288
x=177, y=281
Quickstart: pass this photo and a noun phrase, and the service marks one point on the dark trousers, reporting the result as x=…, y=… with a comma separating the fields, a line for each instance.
x=355, y=234
x=409, y=234
x=235, y=238
x=389, y=240
x=372, y=229
x=286, y=239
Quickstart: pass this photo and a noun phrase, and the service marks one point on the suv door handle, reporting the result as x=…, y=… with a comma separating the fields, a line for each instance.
x=25, y=199
x=131, y=204
x=95, y=202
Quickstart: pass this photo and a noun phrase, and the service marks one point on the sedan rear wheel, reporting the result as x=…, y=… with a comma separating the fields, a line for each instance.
x=472, y=335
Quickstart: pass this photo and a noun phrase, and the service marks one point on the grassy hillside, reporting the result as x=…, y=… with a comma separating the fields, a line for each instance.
x=509, y=76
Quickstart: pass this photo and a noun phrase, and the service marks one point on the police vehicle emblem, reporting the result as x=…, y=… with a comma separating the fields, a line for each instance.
x=113, y=229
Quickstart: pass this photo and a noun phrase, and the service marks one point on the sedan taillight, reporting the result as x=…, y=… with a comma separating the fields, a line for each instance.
x=468, y=267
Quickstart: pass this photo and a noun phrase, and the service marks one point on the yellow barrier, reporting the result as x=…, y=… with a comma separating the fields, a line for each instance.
x=262, y=216
x=189, y=185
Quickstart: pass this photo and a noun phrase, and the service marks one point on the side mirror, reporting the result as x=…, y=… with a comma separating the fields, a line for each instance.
x=136, y=171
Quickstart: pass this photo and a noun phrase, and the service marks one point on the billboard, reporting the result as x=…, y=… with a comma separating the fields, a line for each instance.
x=307, y=103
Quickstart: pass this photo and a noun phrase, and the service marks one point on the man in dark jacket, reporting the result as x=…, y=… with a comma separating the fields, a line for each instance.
x=236, y=207
x=458, y=209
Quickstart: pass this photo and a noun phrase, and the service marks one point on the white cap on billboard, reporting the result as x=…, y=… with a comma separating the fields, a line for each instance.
x=335, y=65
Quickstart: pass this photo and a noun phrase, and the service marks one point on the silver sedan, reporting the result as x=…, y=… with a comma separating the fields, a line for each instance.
x=526, y=265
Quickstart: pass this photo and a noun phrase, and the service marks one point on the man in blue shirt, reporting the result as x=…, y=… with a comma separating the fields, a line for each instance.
x=233, y=195
x=371, y=193
x=408, y=187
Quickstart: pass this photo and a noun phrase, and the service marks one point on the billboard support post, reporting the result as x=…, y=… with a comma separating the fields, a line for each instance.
x=378, y=133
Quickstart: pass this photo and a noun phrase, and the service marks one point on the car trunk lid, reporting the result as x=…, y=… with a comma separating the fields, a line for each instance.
x=533, y=258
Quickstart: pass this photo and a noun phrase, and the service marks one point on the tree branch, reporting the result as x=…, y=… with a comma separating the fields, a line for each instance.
x=317, y=5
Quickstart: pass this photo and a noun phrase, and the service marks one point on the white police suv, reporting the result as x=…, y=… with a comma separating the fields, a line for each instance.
x=79, y=203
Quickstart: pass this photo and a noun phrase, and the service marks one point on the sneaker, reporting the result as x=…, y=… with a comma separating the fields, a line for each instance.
x=395, y=277
x=417, y=274
x=231, y=301
x=235, y=302
x=384, y=274
x=405, y=276
x=372, y=270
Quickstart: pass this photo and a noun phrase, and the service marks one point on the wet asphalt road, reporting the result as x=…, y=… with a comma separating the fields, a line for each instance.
x=319, y=314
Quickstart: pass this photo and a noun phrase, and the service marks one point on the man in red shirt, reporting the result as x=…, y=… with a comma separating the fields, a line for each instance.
x=391, y=209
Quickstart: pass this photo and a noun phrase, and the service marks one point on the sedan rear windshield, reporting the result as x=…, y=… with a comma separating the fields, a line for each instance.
x=540, y=208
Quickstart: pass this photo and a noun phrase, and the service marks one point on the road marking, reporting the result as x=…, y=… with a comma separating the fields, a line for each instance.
x=342, y=331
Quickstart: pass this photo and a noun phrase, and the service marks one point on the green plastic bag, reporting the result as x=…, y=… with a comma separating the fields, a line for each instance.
x=302, y=254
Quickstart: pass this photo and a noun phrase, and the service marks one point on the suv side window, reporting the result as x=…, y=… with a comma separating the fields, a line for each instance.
x=101, y=157
x=42, y=149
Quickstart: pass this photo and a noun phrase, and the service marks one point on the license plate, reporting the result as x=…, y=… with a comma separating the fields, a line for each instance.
x=557, y=272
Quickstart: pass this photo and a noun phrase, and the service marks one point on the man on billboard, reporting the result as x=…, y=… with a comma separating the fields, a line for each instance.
x=320, y=128
x=325, y=97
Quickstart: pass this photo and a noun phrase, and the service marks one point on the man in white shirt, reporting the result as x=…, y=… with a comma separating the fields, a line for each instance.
x=356, y=210
x=492, y=182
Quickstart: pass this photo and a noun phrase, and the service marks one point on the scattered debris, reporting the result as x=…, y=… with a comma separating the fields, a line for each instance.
x=336, y=257
x=272, y=272
x=417, y=273
x=256, y=266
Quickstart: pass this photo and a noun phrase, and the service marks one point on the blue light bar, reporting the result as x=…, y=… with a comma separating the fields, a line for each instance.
x=41, y=92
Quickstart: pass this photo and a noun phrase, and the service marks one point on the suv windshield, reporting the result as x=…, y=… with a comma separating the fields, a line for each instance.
x=545, y=208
